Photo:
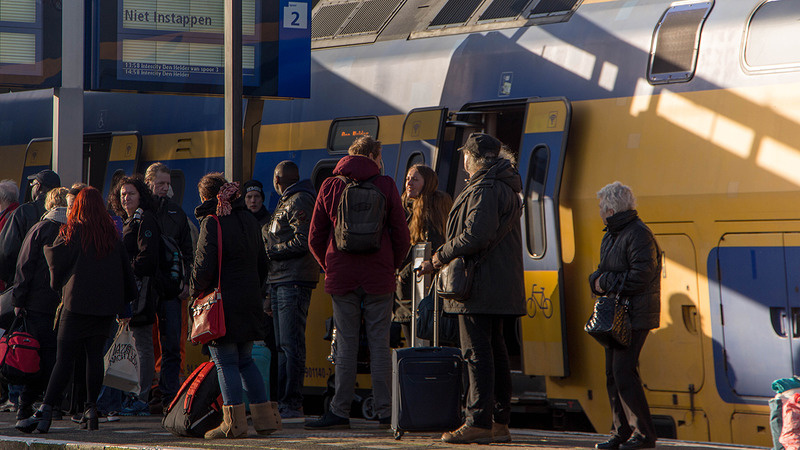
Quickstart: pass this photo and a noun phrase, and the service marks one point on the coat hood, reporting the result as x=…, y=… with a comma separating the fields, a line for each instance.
x=300, y=186
x=502, y=170
x=357, y=167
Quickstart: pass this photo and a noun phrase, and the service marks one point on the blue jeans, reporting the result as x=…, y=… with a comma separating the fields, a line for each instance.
x=169, y=330
x=290, y=310
x=235, y=366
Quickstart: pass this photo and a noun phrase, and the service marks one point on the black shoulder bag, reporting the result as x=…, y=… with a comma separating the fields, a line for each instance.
x=610, y=323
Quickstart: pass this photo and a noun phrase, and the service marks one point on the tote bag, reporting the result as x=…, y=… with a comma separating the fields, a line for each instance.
x=122, y=362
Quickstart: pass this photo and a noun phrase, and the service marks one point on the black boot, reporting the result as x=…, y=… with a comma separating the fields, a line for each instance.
x=38, y=422
x=24, y=411
x=90, y=417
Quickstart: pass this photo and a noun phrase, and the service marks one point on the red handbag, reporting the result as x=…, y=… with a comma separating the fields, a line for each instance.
x=208, y=317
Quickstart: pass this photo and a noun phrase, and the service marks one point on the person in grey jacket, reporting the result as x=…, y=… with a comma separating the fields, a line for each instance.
x=21, y=220
x=293, y=274
x=629, y=260
x=486, y=217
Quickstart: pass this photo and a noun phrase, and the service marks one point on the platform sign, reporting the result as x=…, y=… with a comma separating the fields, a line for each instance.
x=30, y=44
x=177, y=46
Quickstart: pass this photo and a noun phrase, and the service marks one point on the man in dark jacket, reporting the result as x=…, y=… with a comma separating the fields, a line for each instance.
x=172, y=222
x=21, y=220
x=34, y=297
x=484, y=225
x=354, y=280
x=293, y=274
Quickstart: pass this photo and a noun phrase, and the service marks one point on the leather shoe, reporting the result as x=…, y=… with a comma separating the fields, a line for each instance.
x=637, y=442
x=611, y=444
x=468, y=435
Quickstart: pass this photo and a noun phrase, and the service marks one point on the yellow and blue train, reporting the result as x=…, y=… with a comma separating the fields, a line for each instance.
x=694, y=104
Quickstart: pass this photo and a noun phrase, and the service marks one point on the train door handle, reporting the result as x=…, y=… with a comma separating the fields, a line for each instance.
x=778, y=318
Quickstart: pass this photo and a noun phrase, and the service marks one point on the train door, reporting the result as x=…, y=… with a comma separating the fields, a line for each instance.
x=541, y=162
x=680, y=332
x=757, y=322
x=423, y=131
x=38, y=157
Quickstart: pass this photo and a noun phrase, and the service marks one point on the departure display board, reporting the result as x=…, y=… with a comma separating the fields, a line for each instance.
x=30, y=44
x=177, y=46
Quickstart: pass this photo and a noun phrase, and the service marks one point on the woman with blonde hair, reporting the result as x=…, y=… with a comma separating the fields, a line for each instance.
x=427, y=209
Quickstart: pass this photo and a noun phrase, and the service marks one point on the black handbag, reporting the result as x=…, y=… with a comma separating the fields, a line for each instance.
x=448, y=323
x=454, y=281
x=610, y=323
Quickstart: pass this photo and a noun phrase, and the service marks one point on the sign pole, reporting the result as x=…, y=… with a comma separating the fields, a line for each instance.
x=233, y=90
x=68, y=99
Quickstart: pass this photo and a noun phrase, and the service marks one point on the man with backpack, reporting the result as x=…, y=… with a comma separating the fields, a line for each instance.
x=174, y=267
x=359, y=236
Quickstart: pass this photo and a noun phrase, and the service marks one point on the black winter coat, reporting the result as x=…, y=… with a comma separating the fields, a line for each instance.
x=142, y=240
x=13, y=233
x=173, y=222
x=91, y=285
x=488, y=202
x=629, y=248
x=244, y=269
x=32, y=290
x=286, y=237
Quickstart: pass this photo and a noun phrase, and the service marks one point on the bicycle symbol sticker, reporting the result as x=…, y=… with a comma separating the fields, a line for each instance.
x=537, y=301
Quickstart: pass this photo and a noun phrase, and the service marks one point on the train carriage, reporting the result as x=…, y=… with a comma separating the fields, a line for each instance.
x=694, y=104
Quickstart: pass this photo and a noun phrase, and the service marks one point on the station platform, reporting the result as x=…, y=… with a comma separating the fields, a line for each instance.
x=146, y=433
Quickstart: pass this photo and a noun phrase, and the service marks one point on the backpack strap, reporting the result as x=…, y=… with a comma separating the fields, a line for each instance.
x=207, y=367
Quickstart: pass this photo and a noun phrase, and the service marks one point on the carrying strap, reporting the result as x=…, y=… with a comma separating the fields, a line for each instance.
x=219, y=251
x=207, y=367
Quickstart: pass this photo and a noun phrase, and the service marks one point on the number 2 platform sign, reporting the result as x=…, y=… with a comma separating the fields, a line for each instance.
x=295, y=38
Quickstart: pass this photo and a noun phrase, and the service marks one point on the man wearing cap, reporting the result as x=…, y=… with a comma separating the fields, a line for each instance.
x=253, y=192
x=293, y=274
x=484, y=224
x=172, y=222
x=22, y=219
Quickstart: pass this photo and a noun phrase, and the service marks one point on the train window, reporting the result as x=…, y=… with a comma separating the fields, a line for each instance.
x=675, y=43
x=455, y=12
x=553, y=7
x=322, y=171
x=416, y=158
x=534, y=201
x=344, y=131
x=772, y=24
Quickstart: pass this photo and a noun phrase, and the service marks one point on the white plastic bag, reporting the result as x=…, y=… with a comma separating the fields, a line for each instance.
x=122, y=362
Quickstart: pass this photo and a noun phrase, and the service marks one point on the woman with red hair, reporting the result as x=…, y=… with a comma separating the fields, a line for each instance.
x=90, y=263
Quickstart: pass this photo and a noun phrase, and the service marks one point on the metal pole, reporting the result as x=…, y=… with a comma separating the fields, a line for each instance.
x=68, y=99
x=233, y=90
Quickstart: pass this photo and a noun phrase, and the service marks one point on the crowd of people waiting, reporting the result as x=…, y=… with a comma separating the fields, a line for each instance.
x=77, y=264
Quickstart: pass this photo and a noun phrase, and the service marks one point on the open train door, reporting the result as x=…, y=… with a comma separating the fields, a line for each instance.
x=107, y=153
x=541, y=162
x=423, y=130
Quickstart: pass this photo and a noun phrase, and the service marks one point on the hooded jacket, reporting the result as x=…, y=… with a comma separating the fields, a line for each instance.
x=13, y=233
x=33, y=291
x=173, y=222
x=629, y=251
x=488, y=202
x=345, y=272
x=244, y=269
x=286, y=237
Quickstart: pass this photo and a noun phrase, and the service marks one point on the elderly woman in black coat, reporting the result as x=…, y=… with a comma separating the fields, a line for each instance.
x=629, y=260
x=244, y=269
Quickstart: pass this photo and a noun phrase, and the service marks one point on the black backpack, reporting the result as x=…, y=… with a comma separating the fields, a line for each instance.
x=360, y=216
x=197, y=407
x=171, y=270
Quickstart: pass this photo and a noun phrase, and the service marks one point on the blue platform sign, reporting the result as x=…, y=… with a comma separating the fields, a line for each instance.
x=178, y=47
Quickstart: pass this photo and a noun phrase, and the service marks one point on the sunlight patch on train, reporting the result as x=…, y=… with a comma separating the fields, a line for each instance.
x=779, y=159
x=608, y=76
x=706, y=123
x=570, y=58
x=641, y=97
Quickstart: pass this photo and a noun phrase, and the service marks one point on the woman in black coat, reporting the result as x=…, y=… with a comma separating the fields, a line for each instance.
x=629, y=259
x=33, y=296
x=133, y=201
x=89, y=265
x=244, y=269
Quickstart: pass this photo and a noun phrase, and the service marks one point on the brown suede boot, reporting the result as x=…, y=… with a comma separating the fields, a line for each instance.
x=234, y=424
x=266, y=418
x=500, y=433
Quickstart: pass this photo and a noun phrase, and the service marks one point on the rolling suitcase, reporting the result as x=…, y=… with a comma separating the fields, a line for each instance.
x=426, y=381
